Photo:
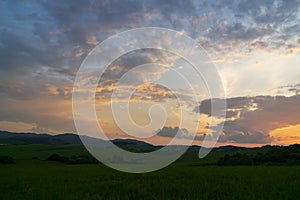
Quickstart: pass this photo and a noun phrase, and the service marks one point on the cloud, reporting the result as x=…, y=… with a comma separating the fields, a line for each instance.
x=240, y=24
x=251, y=119
x=171, y=132
x=42, y=44
x=52, y=33
x=292, y=89
x=127, y=62
x=50, y=114
x=234, y=106
x=153, y=92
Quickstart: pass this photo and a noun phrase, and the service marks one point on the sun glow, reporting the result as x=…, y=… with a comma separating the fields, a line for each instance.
x=286, y=135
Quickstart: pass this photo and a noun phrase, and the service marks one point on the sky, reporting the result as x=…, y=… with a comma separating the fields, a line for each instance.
x=255, y=46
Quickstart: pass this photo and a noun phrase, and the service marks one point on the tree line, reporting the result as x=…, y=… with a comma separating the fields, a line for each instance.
x=275, y=155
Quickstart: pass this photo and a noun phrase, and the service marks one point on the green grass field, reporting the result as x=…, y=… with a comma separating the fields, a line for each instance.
x=185, y=179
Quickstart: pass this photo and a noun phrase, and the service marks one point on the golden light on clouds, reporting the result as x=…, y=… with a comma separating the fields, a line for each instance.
x=257, y=57
x=286, y=135
x=92, y=40
x=16, y=126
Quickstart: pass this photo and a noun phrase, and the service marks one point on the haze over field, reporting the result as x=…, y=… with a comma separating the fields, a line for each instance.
x=254, y=44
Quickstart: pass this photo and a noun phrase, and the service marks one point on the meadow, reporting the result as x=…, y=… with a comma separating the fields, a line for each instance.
x=35, y=177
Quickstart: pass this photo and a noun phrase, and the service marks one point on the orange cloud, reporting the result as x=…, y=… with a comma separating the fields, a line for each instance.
x=286, y=135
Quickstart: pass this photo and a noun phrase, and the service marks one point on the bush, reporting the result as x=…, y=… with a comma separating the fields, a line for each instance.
x=277, y=155
x=58, y=158
x=6, y=160
x=236, y=159
x=82, y=160
x=73, y=159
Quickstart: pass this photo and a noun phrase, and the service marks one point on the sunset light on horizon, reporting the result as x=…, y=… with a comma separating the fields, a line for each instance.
x=254, y=46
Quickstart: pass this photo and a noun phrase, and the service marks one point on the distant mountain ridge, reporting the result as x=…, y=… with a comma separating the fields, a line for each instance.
x=7, y=137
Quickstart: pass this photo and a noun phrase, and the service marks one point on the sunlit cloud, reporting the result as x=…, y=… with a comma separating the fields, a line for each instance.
x=254, y=44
